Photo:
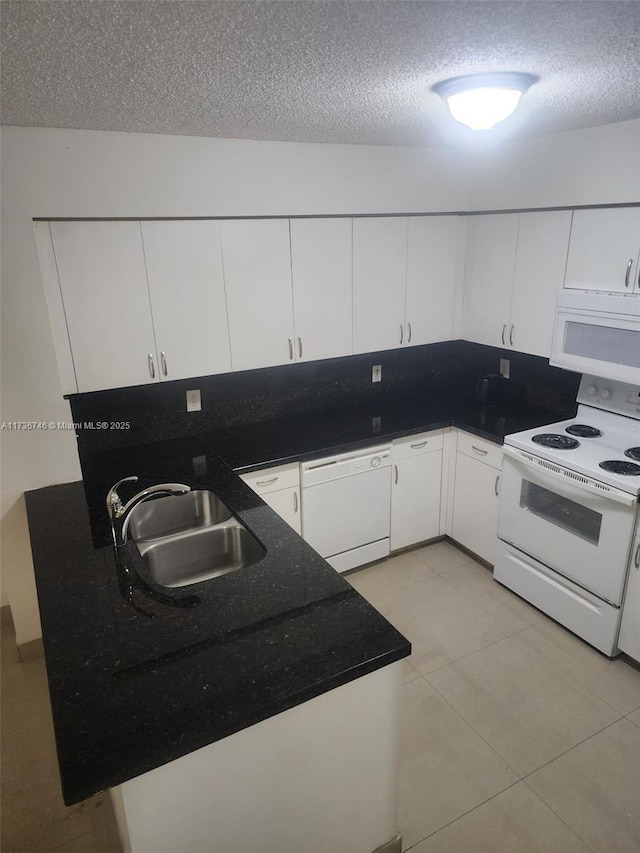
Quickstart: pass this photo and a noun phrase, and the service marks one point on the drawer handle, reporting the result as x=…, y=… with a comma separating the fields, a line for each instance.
x=401, y=333
x=396, y=475
x=290, y=349
x=163, y=362
x=419, y=444
x=295, y=502
x=267, y=482
x=299, y=346
x=152, y=369
x=511, y=335
x=495, y=488
x=628, y=272
x=636, y=562
x=409, y=328
x=504, y=332
x=479, y=450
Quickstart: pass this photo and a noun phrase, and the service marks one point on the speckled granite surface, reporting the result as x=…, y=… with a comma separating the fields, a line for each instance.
x=137, y=682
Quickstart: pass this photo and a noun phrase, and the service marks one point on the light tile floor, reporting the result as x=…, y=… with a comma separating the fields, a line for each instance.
x=516, y=736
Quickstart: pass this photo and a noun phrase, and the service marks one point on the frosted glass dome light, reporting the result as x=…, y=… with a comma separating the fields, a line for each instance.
x=482, y=100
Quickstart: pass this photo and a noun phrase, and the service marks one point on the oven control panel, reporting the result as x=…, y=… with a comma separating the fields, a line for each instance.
x=610, y=395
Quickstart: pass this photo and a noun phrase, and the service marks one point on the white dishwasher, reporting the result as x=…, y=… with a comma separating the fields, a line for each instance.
x=346, y=506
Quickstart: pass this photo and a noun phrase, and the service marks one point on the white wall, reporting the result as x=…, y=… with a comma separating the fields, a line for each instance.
x=49, y=173
x=600, y=165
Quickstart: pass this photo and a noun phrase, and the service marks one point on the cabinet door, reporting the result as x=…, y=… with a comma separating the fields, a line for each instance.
x=415, y=499
x=257, y=272
x=604, y=245
x=432, y=263
x=488, y=279
x=106, y=303
x=629, y=640
x=379, y=282
x=322, y=292
x=186, y=283
x=541, y=257
x=475, y=506
x=286, y=502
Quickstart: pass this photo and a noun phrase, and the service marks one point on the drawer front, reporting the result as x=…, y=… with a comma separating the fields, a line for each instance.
x=272, y=479
x=412, y=445
x=480, y=449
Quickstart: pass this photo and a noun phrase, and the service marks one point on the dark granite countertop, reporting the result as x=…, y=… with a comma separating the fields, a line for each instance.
x=136, y=682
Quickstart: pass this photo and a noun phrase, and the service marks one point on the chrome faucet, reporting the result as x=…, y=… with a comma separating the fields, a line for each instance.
x=122, y=512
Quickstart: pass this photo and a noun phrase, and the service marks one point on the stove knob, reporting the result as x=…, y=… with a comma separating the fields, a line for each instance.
x=375, y=461
x=592, y=390
x=606, y=394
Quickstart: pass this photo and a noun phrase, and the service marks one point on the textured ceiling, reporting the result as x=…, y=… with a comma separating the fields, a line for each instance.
x=354, y=72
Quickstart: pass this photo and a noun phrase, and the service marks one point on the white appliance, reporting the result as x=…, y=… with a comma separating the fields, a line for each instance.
x=569, y=509
x=346, y=506
x=598, y=333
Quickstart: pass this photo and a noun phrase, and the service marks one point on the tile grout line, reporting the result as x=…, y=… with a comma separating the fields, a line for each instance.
x=559, y=816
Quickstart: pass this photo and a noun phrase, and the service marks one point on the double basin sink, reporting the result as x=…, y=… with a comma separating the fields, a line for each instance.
x=185, y=539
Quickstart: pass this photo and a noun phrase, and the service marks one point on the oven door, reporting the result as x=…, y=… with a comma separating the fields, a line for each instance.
x=565, y=523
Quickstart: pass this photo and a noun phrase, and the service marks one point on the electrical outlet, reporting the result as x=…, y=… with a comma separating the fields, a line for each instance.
x=376, y=424
x=194, y=403
x=505, y=367
x=376, y=373
x=199, y=465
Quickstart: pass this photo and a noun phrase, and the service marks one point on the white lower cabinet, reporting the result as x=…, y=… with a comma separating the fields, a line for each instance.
x=415, y=493
x=279, y=488
x=629, y=640
x=476, y=491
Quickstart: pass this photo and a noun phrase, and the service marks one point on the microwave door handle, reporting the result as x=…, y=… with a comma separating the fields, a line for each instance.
x=570, y=485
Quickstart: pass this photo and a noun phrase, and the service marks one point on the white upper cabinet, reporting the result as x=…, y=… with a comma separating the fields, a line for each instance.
x=604, y=251
x=257, y=271
x=186, y=283
x=322, y=290
x=379, y=282
x=541, y=258
x=515, y=268
x=489, y=278
x=433, y=257
x=103, y=282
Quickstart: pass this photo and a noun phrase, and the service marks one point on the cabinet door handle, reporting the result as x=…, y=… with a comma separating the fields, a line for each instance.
x=636, y=561
x=295, y=502
x=290, y=349
x=511, y=335
x=628, y=272
x=504, y=332
x=495, y=488
x=163, y=362
x=479, y=450
x=267, y=482
x=419, y=444
x=396, y=475
x=299, y=346
x=409, y=338
x=152, y=368
x=401, y=333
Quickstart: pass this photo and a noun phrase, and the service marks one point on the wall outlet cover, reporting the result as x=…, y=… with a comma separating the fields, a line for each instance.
x=376, y=373
x=194, y=403
x=199, y=465
x=505, y=367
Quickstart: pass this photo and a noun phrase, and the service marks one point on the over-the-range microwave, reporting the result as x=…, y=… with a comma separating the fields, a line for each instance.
x=598, y=333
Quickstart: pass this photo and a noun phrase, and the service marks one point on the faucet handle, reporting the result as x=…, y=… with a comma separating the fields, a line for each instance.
x=114, y=504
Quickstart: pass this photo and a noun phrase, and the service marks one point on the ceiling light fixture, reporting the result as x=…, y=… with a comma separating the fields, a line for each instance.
x=482, y=100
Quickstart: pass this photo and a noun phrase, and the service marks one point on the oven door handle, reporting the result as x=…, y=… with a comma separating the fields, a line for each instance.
x=571, y=483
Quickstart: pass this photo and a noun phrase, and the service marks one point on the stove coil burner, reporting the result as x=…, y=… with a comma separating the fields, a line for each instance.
x=619, y=466
x=633, y=453
x=558, y=442
x=583, y=430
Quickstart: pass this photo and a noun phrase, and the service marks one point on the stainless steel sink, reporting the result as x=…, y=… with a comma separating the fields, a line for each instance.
x=200, y=554
x=166, y=516
x=193, y=537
